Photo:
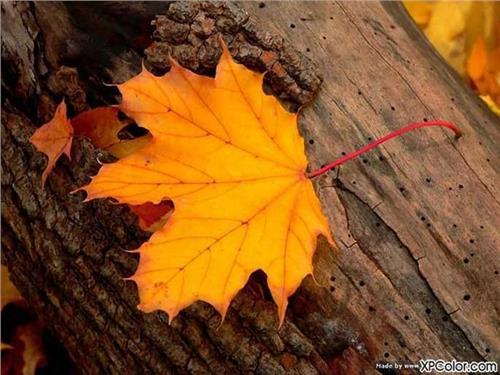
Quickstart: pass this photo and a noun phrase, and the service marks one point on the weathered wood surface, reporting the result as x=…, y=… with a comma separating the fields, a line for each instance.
x=416, y=221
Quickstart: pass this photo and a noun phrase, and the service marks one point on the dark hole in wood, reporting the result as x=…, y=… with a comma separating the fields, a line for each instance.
x=381, y=158
x=466, y=260
x=428, y=179
x=487, y=350
x=445, y=318
x=308, y=50
x=471, y=254
x=406, y=317
x=471, y=240
x=393, y=108
x=386, y=355
x=466, y=297
x=496, y=272
x=359, y=92
x=332, y=278
x=401, y=189
x=481, y=226
x=392, y=27
x=386, y=343
x=262, y=5
x=427, y=311
x=460, y=186
x=343, y=153
x=377, y=224
x=332, y=289
x=365, y=161
x=361, y=283
x=311, y=141
x=454, y=225
x=450, y=188
x=371, y=308
x=354, y=182
x=369, y=138
x=428, y=225
x=292, y=26
x=425, y=119
x=422, y=218
x=324, y=37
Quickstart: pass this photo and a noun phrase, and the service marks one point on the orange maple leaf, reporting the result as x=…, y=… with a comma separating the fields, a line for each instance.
x=483, y=67
x=26, y=352
x=232, y=160
x=102, y=126
x=54, y=139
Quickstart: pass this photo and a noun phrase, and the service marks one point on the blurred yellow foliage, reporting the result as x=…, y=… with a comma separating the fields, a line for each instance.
x=467, y=35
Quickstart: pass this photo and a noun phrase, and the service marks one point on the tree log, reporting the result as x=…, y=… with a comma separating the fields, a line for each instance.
x=416, y=221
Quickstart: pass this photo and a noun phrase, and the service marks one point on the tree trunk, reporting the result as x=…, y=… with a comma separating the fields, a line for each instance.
x=416, y=220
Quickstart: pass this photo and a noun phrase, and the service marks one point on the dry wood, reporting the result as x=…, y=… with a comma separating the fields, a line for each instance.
x=416, y=221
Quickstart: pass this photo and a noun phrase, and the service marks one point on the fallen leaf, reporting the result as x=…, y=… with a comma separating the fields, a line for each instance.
x=467, y=35
x=9, y=291
x=232, y=161
x=420, y=11
x=4, y=346
x=33, y=354
x=26, y=351
x=491, y=104
x=483, y=68
x=152, y=216
x=478, y=60
x=54, y=139
x=102, y=126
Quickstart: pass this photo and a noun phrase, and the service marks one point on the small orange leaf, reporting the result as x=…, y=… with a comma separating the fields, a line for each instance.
x=4, y=346
x=478, y=60
x=54, y=139
x=26, y=351
x=101, y=125
x=232, y=161
x=33, y=354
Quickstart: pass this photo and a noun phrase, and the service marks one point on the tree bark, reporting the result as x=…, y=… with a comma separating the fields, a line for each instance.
x=416, y=221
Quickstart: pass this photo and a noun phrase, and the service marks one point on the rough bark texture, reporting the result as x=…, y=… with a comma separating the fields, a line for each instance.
x=416, y=220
